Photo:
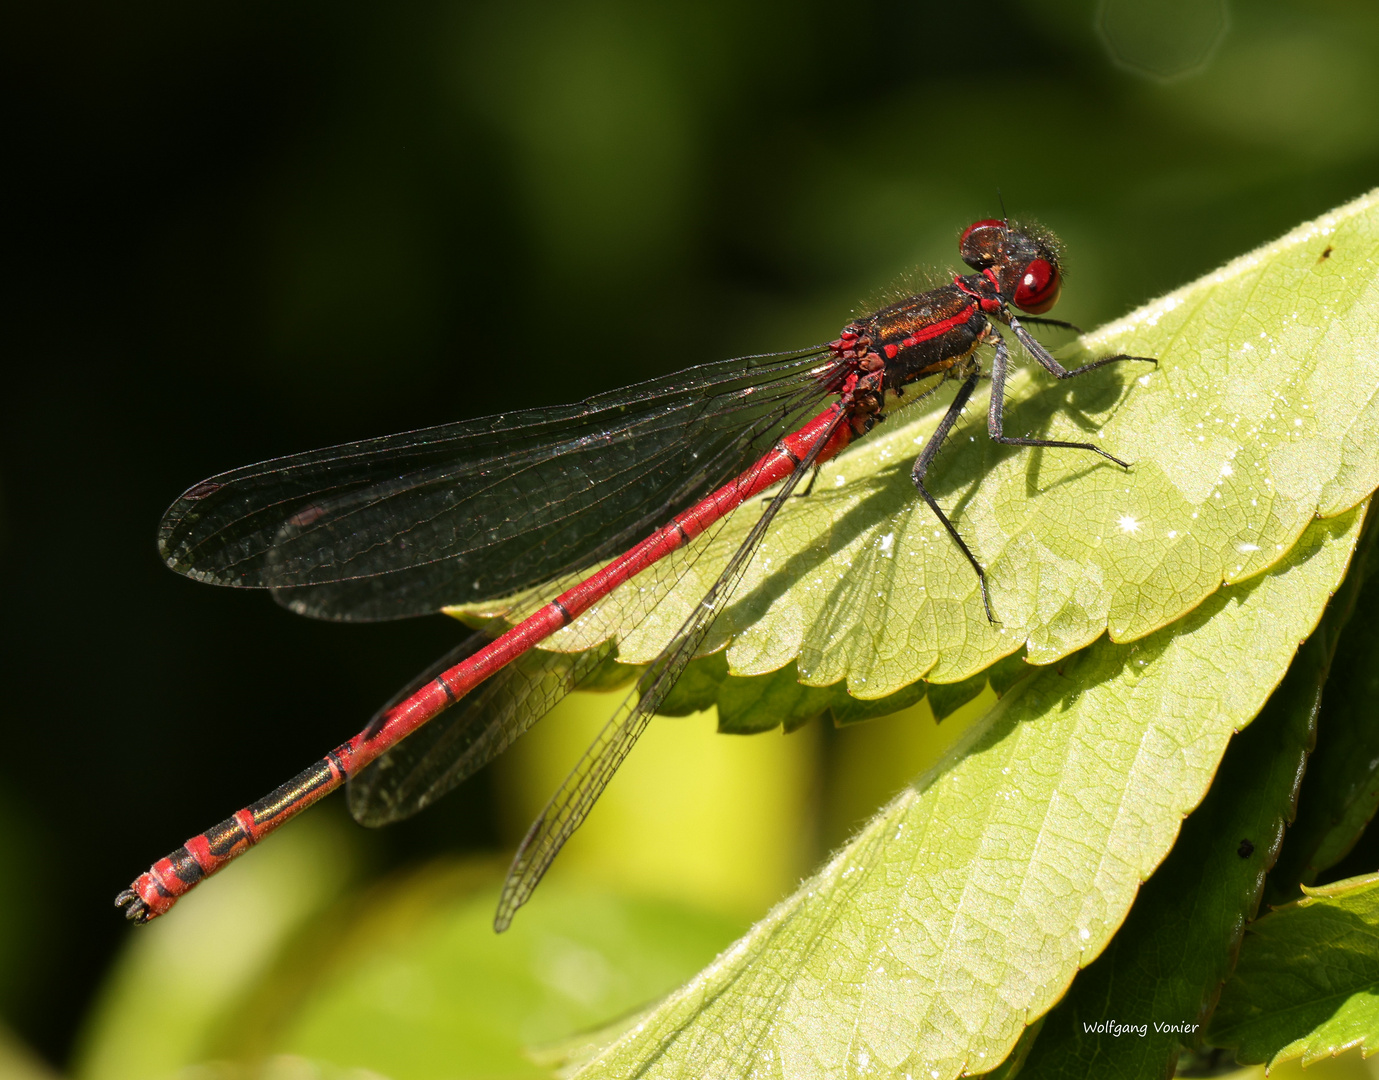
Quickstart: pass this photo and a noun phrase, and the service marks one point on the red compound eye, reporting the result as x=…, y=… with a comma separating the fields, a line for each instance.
x=1039, y=287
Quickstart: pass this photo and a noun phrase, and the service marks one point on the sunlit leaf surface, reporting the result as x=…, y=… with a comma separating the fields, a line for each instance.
x=963, y=910
x=1307, y=985
x=1256, y=420
x=1163, y=970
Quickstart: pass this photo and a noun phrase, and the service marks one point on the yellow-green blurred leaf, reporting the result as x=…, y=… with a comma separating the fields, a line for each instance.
x=165, y=1000
x=18, y=1062
x=418, y=986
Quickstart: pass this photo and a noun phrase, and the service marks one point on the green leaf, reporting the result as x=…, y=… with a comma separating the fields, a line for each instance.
x=762, y=702
x=1163, y=970
x=847, y=709
x=165, y=1003
x=18, y=1062
x=947, y=698
x=962, y=911
x=749, y=705
x=408, y=981
x=420, y=987
x=277, y=1067
x=1256, y=420
x=1340, y=791
x=1307, y=985
x=755, y=703
x=1014, y=1064
x=697, y=689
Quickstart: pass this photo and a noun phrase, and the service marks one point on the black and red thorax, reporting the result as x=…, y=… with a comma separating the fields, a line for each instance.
x=932, y=332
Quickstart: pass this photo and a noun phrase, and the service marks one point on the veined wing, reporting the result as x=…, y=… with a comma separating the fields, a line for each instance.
x=467, y=736
x=571, y=804
x=404, y=525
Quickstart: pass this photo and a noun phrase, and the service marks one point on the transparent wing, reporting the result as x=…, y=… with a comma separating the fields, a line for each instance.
x=403, y=525
x=467, y=736
x=571, y=803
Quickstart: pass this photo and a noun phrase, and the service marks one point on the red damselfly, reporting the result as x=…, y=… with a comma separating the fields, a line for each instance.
x=487, y=508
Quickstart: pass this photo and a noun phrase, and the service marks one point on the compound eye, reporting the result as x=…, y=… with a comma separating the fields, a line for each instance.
x=1039, y=287
x=980, y=243
x=989, y=223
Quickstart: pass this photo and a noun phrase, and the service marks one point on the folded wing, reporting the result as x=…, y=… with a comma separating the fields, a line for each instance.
x=404, y=525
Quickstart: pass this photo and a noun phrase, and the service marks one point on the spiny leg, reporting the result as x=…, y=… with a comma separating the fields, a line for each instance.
x=995, y=411
x=921, y=467
x=1039, y=320
x=1053, y=367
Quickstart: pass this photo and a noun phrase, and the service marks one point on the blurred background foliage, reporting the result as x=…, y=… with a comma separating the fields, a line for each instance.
x=239, y=231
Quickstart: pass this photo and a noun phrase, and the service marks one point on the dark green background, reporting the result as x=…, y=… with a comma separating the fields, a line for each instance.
x=236, y=231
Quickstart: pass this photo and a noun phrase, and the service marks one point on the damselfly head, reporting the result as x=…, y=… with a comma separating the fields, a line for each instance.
x=1023, y=258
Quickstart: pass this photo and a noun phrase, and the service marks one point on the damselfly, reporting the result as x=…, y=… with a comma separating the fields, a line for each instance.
x=488, y=508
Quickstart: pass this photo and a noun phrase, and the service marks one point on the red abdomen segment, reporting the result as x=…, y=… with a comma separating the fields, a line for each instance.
x=155, y=891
